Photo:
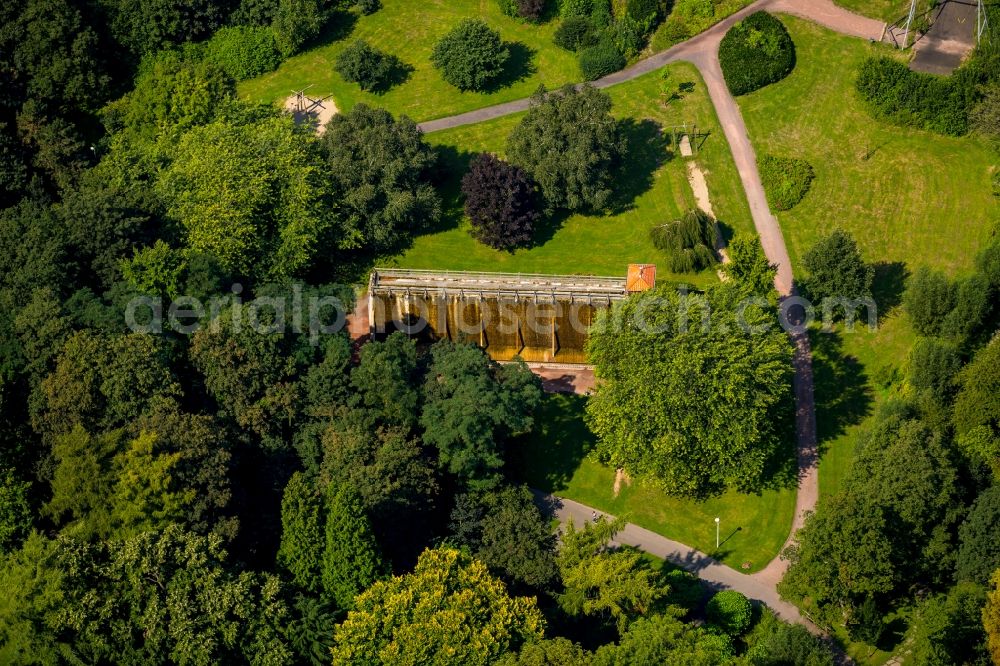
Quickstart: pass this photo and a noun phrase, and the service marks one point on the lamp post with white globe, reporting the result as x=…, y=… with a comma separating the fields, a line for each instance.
x=717, y=533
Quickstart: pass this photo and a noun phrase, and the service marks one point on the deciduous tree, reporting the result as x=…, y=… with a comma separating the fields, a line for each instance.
x=500, y=201
x=471, y=56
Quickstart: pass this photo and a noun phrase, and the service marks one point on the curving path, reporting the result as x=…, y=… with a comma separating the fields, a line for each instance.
x=703, y=51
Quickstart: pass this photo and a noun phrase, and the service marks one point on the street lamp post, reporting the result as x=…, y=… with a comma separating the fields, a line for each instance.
x=717, y=533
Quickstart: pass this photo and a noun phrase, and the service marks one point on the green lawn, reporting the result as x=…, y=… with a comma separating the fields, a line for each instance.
x=919, y=199
x=654, y=186
x=409, y=30
x=554, y=458
x=883, y=10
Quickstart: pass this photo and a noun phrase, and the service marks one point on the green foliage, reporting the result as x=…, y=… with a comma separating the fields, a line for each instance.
x=571, y=145
x=991, y=617
x=610, y=584
x=932, y=368
x=730, y=611
x=548, y=652
x=156, y=271
x=601, y=59
x=471, y=56
x=244, y=52
x=937, y=103
x=836, y=268
x=756, y=52
x=772, y=642
x=977, y=407
x=572, y=8
x=370, y=68
x=506, y=531
x=303, y=518
x=311, y=630
x=748, y=266
x=663, y=639
x=471, y=405
x=297, y=22
x=575, y=33
x=891, y=524
x=368, y=7
x=928, y=299
x=973, y=304
x=663, y=355
x=351, y=559
x=449, y=609
x=786, y=180
x=947, y=629
x=146, y=495
x=385, y=379
x=979, y=549
x=147, y=26
x=15, y=512
x=252, y=195
x=380, y=168
x=689, y=242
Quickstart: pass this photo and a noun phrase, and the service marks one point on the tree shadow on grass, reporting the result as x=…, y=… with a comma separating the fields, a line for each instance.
x=841, y=388
x=399, y=73
x=548, y=457
x=646, y=148
x=888, y=286
x=339, y=26
x=520, y=66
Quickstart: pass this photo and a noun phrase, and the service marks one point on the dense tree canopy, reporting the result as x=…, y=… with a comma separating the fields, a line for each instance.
x=500, y=201
x=836, y=269
x=663, y=355
x=380, y=169
x=471, y=56
x=448, y=609
x=571, y=145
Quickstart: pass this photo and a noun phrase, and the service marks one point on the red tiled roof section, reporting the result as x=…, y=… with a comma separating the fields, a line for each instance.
x=641, y=277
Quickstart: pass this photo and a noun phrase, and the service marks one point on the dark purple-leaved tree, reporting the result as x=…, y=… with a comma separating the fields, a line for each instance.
x=500, y=200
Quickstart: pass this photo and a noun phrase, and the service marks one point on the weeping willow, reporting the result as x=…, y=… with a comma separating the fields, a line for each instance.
x=688, y=242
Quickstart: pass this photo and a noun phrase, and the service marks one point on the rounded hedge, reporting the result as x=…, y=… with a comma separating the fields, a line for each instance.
x=472, y=56
x=600, y=60
x=786, y=180
x=244, y=52
x=575, y=33
x=756, y=52
x=731, y=611
x=365, y=65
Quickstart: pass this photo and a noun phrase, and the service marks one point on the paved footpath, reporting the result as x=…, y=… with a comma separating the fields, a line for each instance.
x=717, y=576
x=703, y=51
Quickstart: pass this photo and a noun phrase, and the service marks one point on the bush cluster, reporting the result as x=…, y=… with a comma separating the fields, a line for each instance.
x=937, y=103
x=756, y=52
x=365, y=65
x=472, y=56
x=601, y=59
x=244, y=52
x=730, y=611
x=604, y=36
x=367, y=7
x=689, y=242
x=786, y=180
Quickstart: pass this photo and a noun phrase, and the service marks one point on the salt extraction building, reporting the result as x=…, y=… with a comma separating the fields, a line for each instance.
x=541, y=318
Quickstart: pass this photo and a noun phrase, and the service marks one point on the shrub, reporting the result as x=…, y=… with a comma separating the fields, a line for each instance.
x=297, y=22
x=508, y=7
x=786, y=180
x=643, y=11
x=731, y=611
x=937, y=103
x=696, y=11
x=500, y=201
x=836, y=268
x=471, y=56
x=601, y=59
x=368, y=67
x=244, y=52
x=600, y=13
x=689, y=242
x=531, y=10
x=367, y=7
x=928, y=299
x=932, y=368
x=575, y=33
x=568, y=8
x=756, y=52
x=628, y=35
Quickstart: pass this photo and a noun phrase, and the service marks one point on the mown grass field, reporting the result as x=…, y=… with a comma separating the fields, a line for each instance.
x=554, y=458
x=409, y=31
x=918, y=199
x=883, y=10
x=653, y=186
